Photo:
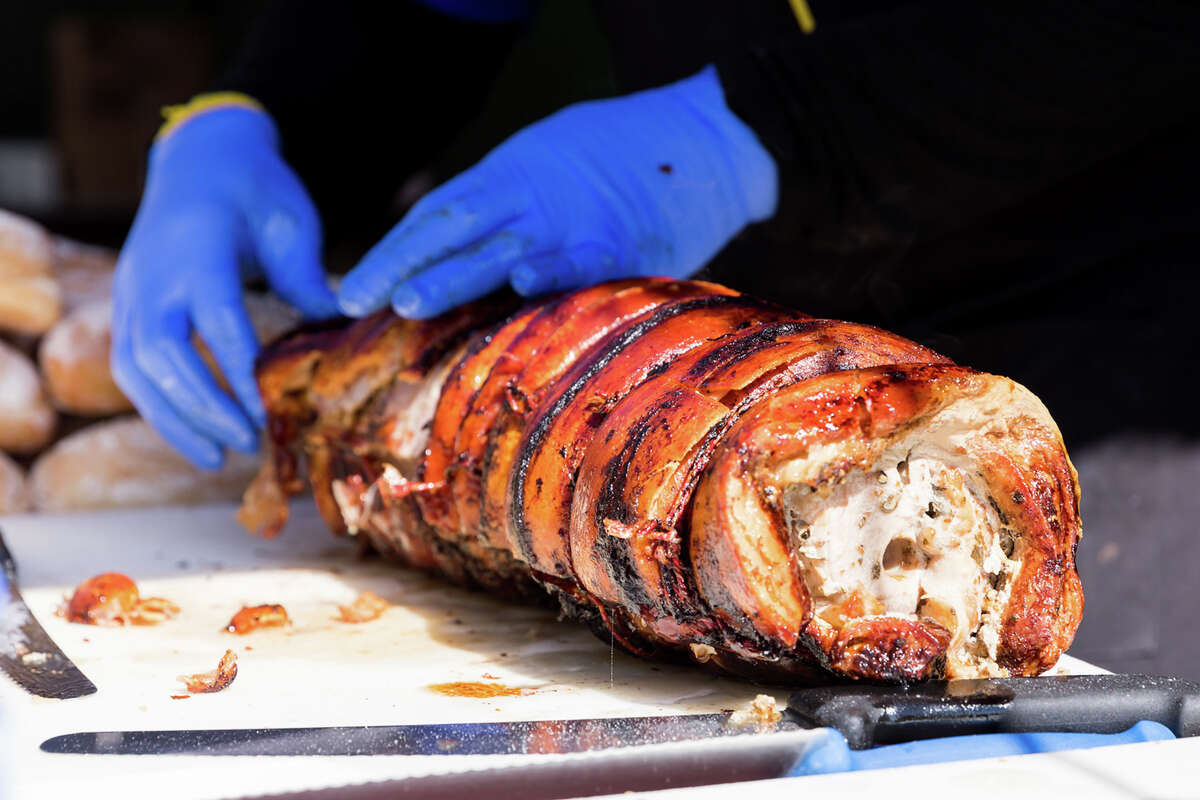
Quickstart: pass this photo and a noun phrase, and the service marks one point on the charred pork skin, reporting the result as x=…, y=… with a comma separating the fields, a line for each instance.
x=459, y=389
x=561, y=351
x=550, y=343
x=696, y=473
x=557, y=436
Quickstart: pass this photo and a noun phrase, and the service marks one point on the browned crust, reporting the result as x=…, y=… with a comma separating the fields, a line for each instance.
x=471, y=441
x=888, y=649
x=1039, y=494
x=556, y=437
x=562, y=349
x=462, y=384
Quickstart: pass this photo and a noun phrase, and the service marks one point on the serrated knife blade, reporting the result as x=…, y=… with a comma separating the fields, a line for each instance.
x=485, y=738
x=27, y=653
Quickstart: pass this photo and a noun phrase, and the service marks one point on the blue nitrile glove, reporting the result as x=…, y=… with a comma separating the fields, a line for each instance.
x=220, y=205
x=832, y=753
x=654, y=183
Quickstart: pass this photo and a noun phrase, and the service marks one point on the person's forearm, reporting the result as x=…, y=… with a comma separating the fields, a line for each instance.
x=364, y=94
x=908, y=124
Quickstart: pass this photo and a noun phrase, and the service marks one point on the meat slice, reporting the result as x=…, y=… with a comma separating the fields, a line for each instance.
x=636, y=480
x=349, y=406
x=376, y=351
x=899, y=522
x=561, y=332
x=542, y=480
x=560, y=350
x=462, y=384
x=464, y=482
x=374, y=485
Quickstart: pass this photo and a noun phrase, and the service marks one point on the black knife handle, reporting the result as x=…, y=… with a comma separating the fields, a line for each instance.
x=872, y=715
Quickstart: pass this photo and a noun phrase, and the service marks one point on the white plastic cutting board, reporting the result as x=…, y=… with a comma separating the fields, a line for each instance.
x=317, y=672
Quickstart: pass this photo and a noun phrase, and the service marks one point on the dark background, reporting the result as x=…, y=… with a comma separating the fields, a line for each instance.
x=81, y=87
x=84, y=83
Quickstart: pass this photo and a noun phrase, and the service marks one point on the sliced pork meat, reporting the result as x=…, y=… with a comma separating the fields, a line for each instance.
x=899, y=522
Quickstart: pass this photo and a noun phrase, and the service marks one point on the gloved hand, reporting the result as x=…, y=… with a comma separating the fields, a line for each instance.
x=220, y=205
x=654, y=183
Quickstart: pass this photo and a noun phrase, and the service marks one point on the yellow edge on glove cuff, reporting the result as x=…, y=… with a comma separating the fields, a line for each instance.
x=179, y=114
x=804, y=15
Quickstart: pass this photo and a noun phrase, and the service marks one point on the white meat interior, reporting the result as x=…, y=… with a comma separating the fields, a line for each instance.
x=914, y=536
x=410, y=405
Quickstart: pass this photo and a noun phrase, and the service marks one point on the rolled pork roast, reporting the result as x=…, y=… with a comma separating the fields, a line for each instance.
x=696, y=474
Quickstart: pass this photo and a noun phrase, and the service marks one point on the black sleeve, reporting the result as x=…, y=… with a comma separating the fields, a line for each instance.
x=366, y=93
x=906, y=125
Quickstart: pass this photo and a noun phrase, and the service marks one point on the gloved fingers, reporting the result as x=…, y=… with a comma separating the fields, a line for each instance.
x=163, y=353
x=462, y=277
x=440, y=225
x=225, y=327
x=154, y=408
x=579, y=265
x=287, y=241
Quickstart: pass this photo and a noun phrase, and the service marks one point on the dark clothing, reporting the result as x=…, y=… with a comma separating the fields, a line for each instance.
x=365, y=93
x=1014, y=185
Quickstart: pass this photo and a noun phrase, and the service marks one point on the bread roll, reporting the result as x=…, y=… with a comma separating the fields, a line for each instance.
x=30, y=301
x=14, y=494
x=84, y=272
x=73, y=357
x=122, y=463
x=26, y=417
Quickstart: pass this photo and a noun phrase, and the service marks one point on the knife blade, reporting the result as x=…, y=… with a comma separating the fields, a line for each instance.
x=509, y=738
x=27, y=653
x=866, y=715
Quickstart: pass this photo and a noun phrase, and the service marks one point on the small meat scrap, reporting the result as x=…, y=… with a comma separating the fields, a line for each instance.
x=760, y=712
x=366, y=607
x=702, y=652
x=217, y=679
x=113, y=599
x=252, y=618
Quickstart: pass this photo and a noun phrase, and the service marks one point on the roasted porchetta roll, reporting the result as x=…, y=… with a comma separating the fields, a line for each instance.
x=695, y=473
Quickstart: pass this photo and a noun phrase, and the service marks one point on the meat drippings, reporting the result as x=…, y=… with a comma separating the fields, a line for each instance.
x=911, y=537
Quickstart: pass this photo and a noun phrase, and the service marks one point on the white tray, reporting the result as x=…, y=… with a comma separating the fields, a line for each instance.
x=317, y=672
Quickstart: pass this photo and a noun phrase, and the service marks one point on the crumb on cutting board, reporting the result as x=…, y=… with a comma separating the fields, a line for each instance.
x=113, y=599
x=762, y=710
x=253, y=618
x=214, y=680
x=366, y=607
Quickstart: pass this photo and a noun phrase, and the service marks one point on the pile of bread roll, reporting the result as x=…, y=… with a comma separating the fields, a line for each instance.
x=69, y=439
